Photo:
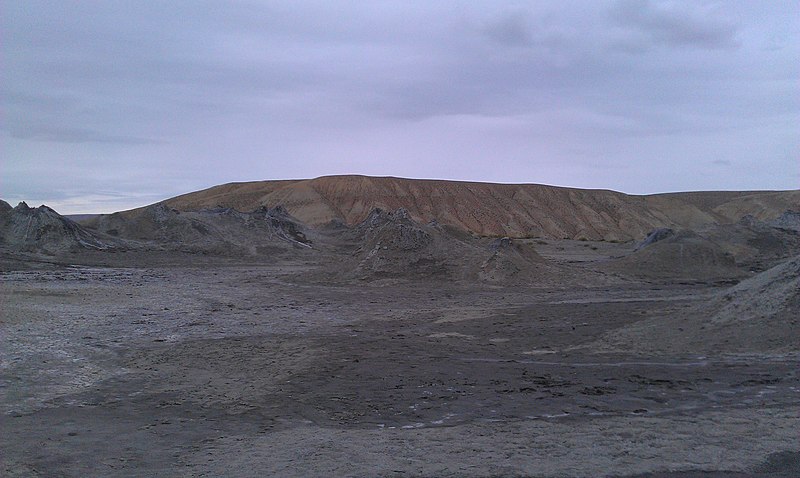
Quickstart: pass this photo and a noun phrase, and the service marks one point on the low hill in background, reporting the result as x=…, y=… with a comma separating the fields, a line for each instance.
x=488, y=209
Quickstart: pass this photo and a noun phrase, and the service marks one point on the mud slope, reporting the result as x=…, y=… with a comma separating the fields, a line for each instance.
x=514, y=210
x=43, y=230
x=759, y=315
x=757, y=245
x=512, y=262
x=684, y=255
x=391, y=245
x=789, y=221
x=223, y=231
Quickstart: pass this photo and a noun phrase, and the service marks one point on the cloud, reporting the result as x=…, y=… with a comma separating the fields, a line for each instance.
x=118, y=92
x=511, y=29
x=676, y=25
x=74, y=135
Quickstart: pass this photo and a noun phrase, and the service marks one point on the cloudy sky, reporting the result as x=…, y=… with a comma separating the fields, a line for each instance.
x=109, y=105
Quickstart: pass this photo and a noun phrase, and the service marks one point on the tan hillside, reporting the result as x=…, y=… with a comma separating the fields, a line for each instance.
x=515, y=210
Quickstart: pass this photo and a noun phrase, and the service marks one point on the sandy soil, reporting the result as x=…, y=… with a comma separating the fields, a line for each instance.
x=225, y=369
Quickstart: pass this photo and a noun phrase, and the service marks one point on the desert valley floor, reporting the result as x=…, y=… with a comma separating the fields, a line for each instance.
x=226, y=369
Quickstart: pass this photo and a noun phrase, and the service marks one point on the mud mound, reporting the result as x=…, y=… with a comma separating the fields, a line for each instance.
x=770, y=294
x=223, y=231
x=683, y=256
x=759, y=315
x=392, y=245
x=655, y=236
x=512, y=261
x=789, y=220
x=157, y=222
x=396, y=231
x=42, y=229
x=756, y=245
x=280, y=224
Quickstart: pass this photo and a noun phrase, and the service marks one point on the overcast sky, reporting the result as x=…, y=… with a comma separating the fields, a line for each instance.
x=109, y=105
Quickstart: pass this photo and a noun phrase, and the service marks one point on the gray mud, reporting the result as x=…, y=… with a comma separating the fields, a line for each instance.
x=237, y=370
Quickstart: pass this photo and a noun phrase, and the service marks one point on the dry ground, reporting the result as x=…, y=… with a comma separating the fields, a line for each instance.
x=225, y=369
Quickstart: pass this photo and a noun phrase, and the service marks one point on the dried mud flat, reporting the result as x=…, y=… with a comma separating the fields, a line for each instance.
x=233, y=369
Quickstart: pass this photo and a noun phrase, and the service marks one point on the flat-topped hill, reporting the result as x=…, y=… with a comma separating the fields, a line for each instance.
x=490, y=209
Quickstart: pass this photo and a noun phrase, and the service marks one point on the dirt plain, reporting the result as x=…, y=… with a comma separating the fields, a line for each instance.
x=229, y=369
x=442, y=355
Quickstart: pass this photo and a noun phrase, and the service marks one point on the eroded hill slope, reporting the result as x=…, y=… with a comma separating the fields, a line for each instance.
x=488, y=209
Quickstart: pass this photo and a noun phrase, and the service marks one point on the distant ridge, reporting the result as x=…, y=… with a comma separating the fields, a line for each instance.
x=490, y=209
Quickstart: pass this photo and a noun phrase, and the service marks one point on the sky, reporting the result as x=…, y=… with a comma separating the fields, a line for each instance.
x=109, y=105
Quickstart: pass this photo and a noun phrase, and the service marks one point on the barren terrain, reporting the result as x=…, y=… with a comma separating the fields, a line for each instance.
x=224, y=343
